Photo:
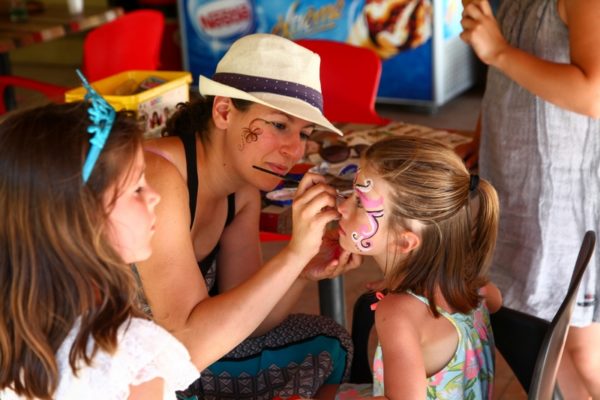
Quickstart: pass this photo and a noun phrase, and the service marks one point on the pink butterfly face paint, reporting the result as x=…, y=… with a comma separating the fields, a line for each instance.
x=372, y=203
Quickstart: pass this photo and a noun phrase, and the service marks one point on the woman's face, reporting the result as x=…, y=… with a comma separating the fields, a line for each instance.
x=131, y=219
x=269, y=139
x=364, y=224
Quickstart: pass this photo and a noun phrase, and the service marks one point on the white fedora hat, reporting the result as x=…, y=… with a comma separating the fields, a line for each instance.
x=272, y=71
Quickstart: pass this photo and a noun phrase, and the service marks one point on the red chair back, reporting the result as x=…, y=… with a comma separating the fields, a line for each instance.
x=131, y=42
x=349, y=80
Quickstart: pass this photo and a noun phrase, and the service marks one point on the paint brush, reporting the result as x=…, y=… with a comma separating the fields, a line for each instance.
x=285, y=178
x=341, y=194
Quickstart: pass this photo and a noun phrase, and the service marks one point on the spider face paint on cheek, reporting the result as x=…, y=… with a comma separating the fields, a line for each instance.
x=252, y=132
x=374, y=209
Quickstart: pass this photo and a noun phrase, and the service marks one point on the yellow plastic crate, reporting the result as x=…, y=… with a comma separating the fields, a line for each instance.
x=152, y=106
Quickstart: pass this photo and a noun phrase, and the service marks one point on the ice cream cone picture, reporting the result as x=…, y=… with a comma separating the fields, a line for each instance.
x=391, y=26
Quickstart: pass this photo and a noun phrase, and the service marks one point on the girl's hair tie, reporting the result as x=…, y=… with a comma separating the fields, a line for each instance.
x=473, y=182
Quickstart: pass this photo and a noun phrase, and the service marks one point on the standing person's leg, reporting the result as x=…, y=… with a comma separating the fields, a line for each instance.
x=570, y=383
x=578, y=373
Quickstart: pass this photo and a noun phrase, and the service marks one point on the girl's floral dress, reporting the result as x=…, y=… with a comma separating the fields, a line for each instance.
x=469, y=374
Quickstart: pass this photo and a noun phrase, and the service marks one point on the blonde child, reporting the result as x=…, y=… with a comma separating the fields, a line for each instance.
x=75, y=210
x=431, y=228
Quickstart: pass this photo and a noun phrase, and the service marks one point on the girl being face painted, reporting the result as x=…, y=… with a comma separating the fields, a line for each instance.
x=364, y=223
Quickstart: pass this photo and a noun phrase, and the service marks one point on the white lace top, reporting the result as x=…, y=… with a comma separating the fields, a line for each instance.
x=146, y=351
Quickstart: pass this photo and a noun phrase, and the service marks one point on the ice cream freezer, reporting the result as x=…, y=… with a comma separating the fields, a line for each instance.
x=424, y=61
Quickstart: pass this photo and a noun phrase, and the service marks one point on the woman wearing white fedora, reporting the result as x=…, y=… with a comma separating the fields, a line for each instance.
x=206, y=282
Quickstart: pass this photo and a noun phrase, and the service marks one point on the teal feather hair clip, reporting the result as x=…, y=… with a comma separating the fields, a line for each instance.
x=102, y=116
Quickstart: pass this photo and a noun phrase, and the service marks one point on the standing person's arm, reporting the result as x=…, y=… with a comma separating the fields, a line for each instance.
x=211, y=326
x=574, y=86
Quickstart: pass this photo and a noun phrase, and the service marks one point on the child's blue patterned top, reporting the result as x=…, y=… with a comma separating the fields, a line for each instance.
x=470, y=373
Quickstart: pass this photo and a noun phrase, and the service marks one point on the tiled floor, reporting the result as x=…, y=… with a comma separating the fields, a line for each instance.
x=460, y=113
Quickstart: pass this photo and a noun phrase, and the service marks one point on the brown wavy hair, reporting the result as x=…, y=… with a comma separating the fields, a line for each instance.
x=195, y=118
x=56, y=264
x=429, y=183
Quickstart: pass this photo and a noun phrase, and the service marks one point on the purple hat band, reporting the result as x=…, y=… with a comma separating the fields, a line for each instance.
x=249, y=84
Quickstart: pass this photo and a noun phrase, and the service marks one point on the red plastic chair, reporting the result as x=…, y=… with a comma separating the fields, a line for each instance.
x=349, y=80
x=131, y=42
x=52, y=92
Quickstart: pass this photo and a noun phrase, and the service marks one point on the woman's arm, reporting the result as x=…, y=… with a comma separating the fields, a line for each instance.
x=211, y=326
x=574, y=86
x=240, y=257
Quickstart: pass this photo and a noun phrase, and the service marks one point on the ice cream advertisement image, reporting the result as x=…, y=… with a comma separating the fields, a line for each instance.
x=401, y=32
x=389, y=27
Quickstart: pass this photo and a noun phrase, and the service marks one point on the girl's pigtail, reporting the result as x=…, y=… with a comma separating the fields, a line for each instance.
x=485, y=227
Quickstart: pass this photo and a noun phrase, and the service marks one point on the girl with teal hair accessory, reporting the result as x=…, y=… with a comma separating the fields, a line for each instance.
x=70, y=325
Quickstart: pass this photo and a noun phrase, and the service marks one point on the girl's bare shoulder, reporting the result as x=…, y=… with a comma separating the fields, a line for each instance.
x=402, y=308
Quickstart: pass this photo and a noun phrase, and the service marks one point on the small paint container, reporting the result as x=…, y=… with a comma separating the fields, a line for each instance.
x=282, y=197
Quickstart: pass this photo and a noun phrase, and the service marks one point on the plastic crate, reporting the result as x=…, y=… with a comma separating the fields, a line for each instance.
x=152, y=106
